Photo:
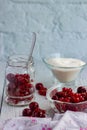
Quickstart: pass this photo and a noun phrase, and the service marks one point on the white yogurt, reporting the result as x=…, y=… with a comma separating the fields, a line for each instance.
x=65, y=69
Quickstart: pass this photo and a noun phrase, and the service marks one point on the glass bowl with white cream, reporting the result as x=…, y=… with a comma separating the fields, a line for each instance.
x=64, y=69
x=64, y=54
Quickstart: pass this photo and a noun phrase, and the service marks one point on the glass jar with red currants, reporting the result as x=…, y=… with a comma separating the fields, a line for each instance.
x=19, y=88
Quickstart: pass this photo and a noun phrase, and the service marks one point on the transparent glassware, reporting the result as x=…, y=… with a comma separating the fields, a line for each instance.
x=62, y=106
x=19, y=89
x=63, y=48
x=65, y=75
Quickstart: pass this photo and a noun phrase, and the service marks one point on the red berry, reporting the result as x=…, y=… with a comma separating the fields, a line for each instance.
x=39, y=86
x=10, y=77
x=33, y=105
x=35, y=112
x=84, y=95
x=81, y=98
x=67, y=99
x=11, y=86
x=55, y=97
x=75, y=98
x=21, y=80
x=38, y=113
x=27, y=112
x=29, y=85
x=41, y=113
x=61, y=99
x=26, y=76
x=42, y=92
x=11, y=89
x=21, y=87
x=66, y=89
x=60, y=94
x=81, y=89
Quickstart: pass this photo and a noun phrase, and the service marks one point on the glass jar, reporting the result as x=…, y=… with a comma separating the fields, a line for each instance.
x=19, y=88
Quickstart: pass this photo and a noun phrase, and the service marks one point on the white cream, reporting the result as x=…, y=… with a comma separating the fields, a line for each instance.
x=65, y=62
x=65, y=69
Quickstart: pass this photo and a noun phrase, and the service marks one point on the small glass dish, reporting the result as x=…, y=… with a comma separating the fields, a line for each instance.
x=61, y=106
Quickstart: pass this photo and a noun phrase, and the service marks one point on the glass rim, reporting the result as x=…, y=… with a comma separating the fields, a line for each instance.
x=49, y=91
x=19, y=60
x=57, y=67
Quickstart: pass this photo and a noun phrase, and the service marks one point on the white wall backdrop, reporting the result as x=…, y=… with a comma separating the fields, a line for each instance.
x=63, y=22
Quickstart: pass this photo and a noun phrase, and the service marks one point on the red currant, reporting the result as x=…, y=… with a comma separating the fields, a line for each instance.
x=38, y=113
x=39, y=86
x=42, y=92
x=33, y=105
x=10, y=77
x=81, y=89
x=27, y=112
x=54, y=97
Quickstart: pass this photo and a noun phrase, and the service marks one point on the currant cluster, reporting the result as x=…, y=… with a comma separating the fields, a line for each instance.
x=19, y=85
x=67, y=95
x=34, y=111
x=41, y=89
x=70, y=100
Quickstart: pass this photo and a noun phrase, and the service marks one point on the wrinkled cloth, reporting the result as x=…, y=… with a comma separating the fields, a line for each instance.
x=26, y=123
x=67, y=121
x=71, y=121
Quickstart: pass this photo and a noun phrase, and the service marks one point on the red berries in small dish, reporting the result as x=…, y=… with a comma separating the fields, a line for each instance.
x=19, y=89
x=68, y=99
x=41, y=89
x=34, y=111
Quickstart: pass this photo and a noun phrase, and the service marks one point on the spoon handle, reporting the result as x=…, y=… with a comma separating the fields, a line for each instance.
x=32, y=46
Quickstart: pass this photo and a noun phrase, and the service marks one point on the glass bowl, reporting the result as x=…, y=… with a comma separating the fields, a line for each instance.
x=63, y=106
x=63, y=68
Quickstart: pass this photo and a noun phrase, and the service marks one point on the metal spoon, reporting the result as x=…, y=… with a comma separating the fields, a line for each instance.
x=32, y=47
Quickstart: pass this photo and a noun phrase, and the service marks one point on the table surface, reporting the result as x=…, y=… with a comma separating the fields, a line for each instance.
x=42, y=74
